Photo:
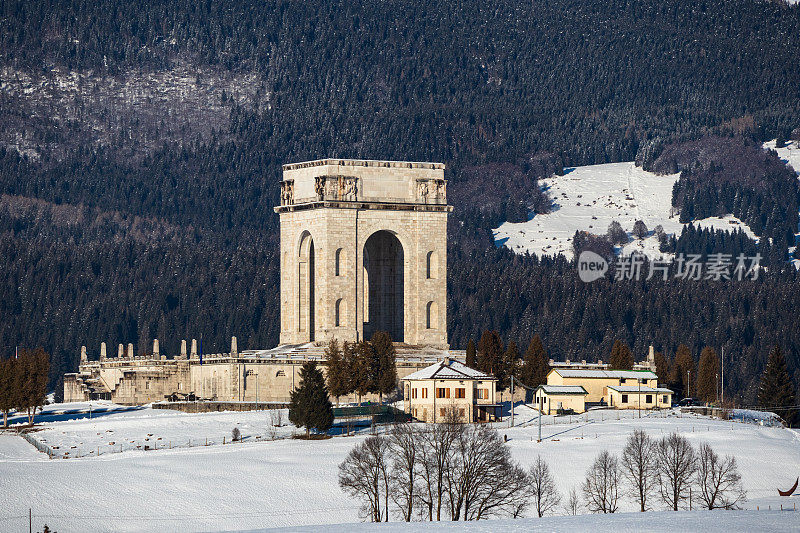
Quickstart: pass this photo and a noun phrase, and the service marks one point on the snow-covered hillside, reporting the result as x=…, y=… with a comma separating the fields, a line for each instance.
x=589, y=198
x=261, y=484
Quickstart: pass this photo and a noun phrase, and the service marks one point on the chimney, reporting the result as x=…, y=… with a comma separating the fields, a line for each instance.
x=155, y=349
x=130, y=350
x=84, y=358
x=183, y=348
x=194, y=348
x=234, y=348
x=102, y=351
x=120, y=351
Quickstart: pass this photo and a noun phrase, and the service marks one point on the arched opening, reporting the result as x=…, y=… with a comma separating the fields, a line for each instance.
x=431, y=315
x=432, y=266
x=339, y=267
x=305, y=287
x=383, y=285
x=341, y=312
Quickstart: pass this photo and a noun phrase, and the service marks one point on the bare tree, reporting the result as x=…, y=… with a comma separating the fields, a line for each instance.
x=601, y=486
x=364, y=475
x=676, y=468
x=543, y=487
x=405, y=442
x=436, y=452
x=639, y=466
x=573, y=504
x=719, y=480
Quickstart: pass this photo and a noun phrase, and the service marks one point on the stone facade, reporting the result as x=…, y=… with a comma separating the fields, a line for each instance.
x=363, y=248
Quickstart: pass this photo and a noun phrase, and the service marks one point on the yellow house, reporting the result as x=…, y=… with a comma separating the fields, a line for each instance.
x=555, y=398
x=449, y=387
x=597, y=382
x=638, y=397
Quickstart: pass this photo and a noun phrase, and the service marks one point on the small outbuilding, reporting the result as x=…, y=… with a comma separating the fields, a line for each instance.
x=450, y=388
x=556, y=399
x=636, y=397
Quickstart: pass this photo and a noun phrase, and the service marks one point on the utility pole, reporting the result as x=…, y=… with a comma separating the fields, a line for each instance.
x=688, y=383
x=541, y=406
x=30, y=520
x=722, y=381
x=256, y=391
x=639, y=382
x=512, y=401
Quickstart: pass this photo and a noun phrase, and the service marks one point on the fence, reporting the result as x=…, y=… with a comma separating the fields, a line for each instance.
x=42, y=447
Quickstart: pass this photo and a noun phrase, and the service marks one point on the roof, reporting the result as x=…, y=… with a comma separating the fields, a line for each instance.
x=364, y=163
x=562, y=389
x=605, y=374
x=448, y=369
x=634, y=389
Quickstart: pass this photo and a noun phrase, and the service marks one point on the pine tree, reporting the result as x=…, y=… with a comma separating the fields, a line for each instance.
x=362, y=373
x=536, y=364
x=471, y=360
x=777, y=389
x=385, y=375
x=310, y=406
x=662, y=367
x=336, y=376
x=621, y=356
x=8, y=388
x=708, y=375
x=511, y=362
x=350, y=364
x=681, y=367
x=490, y=356
x=30, y=380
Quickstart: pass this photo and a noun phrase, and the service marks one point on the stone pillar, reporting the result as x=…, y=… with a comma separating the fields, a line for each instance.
x=120, y=351
x=84, y=357
x=156, y=353
x=234, y=348
x=102, y=351
x=651, y=358
x=194, y=349
x=130, y=350
x=183, y=348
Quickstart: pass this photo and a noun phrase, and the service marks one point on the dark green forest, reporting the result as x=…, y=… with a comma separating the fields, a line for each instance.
x=123, y=220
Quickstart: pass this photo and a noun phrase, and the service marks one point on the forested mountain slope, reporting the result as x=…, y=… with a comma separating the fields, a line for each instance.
x=143, y=144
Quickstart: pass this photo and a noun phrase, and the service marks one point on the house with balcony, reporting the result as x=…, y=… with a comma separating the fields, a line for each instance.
x=449, y=390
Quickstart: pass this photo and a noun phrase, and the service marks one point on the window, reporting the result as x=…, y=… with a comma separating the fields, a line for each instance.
x=624, y=398
x=461, y=392
x=339, y=266
x=442, y=392
x=425, y=392
x=341, y=311
x=461, y=413
x=648, y=398
x=483, y=394
x=665, y=399
x=180, y=386
x=413, y=393
x=622, y=381
x=432, y=266
x=442, y=412
x=432, y=315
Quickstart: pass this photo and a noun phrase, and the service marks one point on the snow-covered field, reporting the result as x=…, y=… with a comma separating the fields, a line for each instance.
x=262, y=484
x=589, y=198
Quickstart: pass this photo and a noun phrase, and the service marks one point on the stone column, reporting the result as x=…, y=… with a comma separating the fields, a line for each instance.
x=102, y=351
x=130, y=350
x=183, y=348
x=84, y=357
x=234, y=348
x=120, y=351
x=156, y=353
x=194, y=349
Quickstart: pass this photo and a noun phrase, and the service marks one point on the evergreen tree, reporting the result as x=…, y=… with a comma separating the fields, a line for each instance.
x=30, y=380
x=536, y=364
x=490, y=356
x=616, y=234
x=350, y=364
x=471, y=360
x=363, y=365
x=777, y=389
x=336, y=376
x=708, y=375
x=662, y=368
x=682, y=366
x=310, y=406
x=385, y=373
x=511, y=360
x=621, y=356
x=8, y=387
x=640, y=229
